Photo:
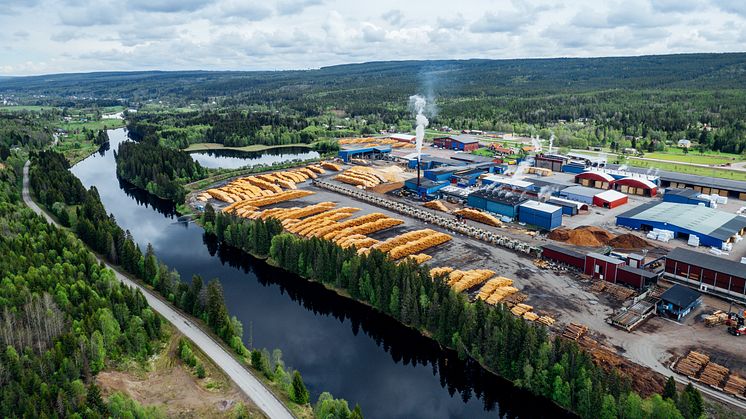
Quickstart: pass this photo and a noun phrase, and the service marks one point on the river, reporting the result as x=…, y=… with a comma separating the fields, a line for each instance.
x=233, y=159
x=338, y=345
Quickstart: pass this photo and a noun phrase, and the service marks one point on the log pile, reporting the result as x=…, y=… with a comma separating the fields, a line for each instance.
x=306, y=211
x=356, y=240
x=330, y=215
x=530, y=316
x=387, y=245
x=574, y=331
x=521, y=309
x=500, y=294
x=490, y=286
x=472, y=279
x=716, y=318
x=316, y=169
x=735, y=385
x=280, y=197
x=436, y=205
x=419, y=245
x=419, y=258
x=478, y=216
x=367, y=228
x=331, y=166
x=546, y=320
x=436, y=272
x=713, y=374
x=692, y=364
x=360, y=176
x=363, y=219
x=514, y=299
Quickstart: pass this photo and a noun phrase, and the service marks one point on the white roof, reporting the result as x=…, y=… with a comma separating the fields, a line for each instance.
x=604, y=175
x=577, y=204
x=625, y=173
x=507, y=181
x=611, y=195
x=541, y=206
x=405, y=137
x=645, y=182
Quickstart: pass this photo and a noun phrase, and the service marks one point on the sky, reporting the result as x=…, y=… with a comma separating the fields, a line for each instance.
x=62, y=36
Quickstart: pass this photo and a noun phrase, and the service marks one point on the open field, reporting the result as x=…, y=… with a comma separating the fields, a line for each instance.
x=248, y=148
x=695, y=157
x=693, y=170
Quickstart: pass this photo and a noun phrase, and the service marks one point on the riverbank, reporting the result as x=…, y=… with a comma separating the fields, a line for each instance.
x=249, y=148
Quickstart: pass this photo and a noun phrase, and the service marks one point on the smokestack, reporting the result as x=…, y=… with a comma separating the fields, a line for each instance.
x=418, y=103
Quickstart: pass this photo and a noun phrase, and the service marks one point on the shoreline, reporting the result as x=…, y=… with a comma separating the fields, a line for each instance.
x=198, y=147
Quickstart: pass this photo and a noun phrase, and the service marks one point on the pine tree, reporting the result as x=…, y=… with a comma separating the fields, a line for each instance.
x=669, y=391
x=357, y=413
x=94, y=400
x=300, y=393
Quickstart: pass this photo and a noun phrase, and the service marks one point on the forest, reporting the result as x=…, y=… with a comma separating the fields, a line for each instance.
x=521, y=352
x=160, y=170
x=63, y=318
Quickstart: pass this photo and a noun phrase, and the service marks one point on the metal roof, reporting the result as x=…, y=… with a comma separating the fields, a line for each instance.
x=605, y=258
x=605, y=176
x=580, y=190
x=567, y=202
x=563, y=250
x=405, y=137
x=610, y=195
x=473, y=158
x=507, y=181
x=689, y=193
x=465, y=139
x=648, y=184
x=554, y=184
x=638, y=271
x=503, y=197
x=699, y=219
x=707, y=261
x=680, y=296
x=540, y=206
x=707, y=181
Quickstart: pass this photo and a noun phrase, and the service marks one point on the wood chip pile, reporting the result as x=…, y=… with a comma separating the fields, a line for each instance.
x=692, y=364
x=713, y=374
x=574, y=331
x=478, y=216
x=436, y=205
x=419, y=245
x=735, y=385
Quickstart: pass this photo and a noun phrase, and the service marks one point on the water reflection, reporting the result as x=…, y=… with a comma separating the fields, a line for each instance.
x=234, y=159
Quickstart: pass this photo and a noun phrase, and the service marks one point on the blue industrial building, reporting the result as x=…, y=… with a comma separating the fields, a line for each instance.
x=538, y=214
x=685, y=196
x=678, y=301
x=430, y=162
x=427, y=187
x=468, y=177
x=440, y=174
x=568, y=207
x=364, y=152
x=713, y=227
x=499, y=202
x=582, y=194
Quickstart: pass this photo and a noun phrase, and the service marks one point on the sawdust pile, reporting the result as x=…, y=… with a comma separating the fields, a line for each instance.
x=592, y=236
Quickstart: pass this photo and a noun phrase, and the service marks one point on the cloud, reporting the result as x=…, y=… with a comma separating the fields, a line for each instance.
x=372, y=33
x=21, y=34
x=67, y=35
x=675, y=6
x=237, y=9
x=732, y=6
x=393, y=17
x=18, y=6
x=292, y=7
x=455, y=22
x=90, y=16
x=167, y=6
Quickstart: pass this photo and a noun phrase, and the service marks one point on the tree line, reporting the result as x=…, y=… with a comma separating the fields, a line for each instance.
x=160, y=170
x=63, y=319
x=511, y=347
x=101, y=232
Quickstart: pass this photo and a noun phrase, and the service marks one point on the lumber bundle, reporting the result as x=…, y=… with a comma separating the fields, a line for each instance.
x=515, y=299
x=419, y=245
x=500, y=293
x=716, y=318
x=367, y=228
x=735, y=385
x=360, y=176
x=316, y=169
x=713, y=374
x=692, y=364
x=546, y=320
x=349, y=223
x=418, y=258
x=279, y=197
x=331, y=166
x=306, y=211
x=472, y=279
x=436, y=272
x=308, y=172
x=356, y=240
x=287, y=184
x=478, y=216
x=530, y=316
x=387, y=245
x=436, y=205
x=333, y=214
x=521, y=309
x=574, y=331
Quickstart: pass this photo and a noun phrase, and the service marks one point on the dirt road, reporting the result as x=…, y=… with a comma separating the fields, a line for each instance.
x=249, y=384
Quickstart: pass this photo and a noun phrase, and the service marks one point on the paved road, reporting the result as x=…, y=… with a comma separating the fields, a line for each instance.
x=249, y=384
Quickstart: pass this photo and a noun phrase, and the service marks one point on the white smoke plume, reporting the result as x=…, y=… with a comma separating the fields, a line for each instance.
x=536, y=142
x=418, y=103
x=551, y=143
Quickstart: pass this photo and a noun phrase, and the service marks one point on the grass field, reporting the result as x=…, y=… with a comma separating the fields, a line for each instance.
x=17, y=108
x=693, y=170
x=248, y=148
x=695, y=157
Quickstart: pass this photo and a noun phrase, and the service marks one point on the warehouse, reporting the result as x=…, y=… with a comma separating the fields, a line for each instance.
x=708, y=273
x=372, y=152
x=507, y=183
x=604, y=267
x=563, y=255
x=636, y=186
x=538, y=214
x=579, y=193
x=569, y=207
x=457, y=142
x=635, y=277
x=610, y=199
x=500, y=202
x=473, y=158
x=713, y=227
x=426, y=189
x=546, y=186
x=441, y=174
x=595, y=179
x=678, y=301
x=705, y=184
x=467, y=177
x=553, y=162
x=429, y=162
x=685, y=196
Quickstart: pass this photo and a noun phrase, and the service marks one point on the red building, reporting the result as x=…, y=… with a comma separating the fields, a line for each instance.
x=563, y=255
x=604, y=267
x=610, y=199
x=706, y=272
x=634, y=277
x=595, y=179
x=458, y=142
x=636, y=186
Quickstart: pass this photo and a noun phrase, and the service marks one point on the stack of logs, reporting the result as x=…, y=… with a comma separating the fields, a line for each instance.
x=436, y=205
x=735, y=385
x=692, y=364
x=713, y=374
x=478, y=216
x=574, y=331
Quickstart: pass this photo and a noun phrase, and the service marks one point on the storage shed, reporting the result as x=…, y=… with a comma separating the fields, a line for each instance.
x=685, y=196
x=568, y=207
x=678, y=301
x=564, y=255
x=610, y=199
x=553, y=162
x=364, y=152
x=535, y=213
x=707, y=272
x=458, y=142
x=594, y=179
x=500, y=202
x=636, y=186
x=635, y=277
x=604, y=267
x=579, y=193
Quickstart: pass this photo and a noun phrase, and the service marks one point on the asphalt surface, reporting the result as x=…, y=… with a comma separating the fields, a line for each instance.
x=243, y=378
